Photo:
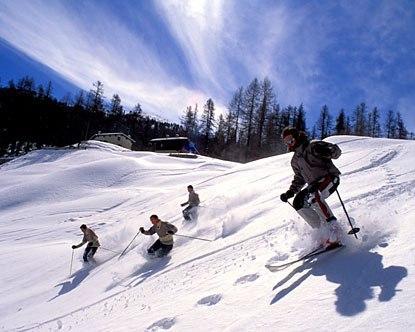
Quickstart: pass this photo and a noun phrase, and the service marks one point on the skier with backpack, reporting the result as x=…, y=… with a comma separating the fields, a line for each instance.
x=312, y=165
x=165, y=231
x=93, y=243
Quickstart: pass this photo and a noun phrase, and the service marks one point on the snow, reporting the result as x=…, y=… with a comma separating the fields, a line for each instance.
x=206, y=286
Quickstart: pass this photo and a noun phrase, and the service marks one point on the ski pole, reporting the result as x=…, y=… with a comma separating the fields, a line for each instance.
x=70, y=269
x=116, y=252
x=128, y=245
x=354, y=230
x=193, y=237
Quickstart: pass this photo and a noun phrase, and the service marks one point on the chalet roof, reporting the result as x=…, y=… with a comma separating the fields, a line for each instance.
x=112, y=134
x=168, y=139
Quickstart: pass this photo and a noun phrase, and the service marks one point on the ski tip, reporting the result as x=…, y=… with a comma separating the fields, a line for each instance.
x=272, y=268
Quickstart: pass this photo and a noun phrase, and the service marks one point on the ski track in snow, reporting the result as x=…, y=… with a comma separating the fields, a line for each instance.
x=223, y=283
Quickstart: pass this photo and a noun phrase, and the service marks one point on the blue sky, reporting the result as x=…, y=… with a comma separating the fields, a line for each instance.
x=170, y=54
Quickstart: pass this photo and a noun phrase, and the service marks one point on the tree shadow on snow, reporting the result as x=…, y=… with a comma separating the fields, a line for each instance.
x=70, y=285
x=357, y=274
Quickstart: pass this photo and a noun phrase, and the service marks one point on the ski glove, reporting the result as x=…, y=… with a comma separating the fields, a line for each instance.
x=74, y=247
x=287, y=195
x=170, y=232
x=141, y=229
x=183, y=204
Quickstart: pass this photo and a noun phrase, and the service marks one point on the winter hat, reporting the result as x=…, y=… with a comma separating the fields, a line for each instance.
x=290, y=131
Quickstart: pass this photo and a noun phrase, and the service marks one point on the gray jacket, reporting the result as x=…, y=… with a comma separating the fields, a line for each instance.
x=161, y=231
x=312, y=161
x=193, y=199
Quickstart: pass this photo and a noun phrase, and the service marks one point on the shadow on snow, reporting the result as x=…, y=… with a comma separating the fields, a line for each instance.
x=357, y=273
x=70, y=285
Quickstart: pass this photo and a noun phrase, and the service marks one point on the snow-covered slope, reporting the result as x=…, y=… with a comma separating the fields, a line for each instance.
x=206, y=286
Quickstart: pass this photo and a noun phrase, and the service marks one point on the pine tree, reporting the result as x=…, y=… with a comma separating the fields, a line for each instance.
x=349, y=129
x=286, y=116
x=360, y=120
x=374, y=123
x=314, y=132
x=267, y=98
x=300, y=122
x=96, y=100
x=235, y=111
x=138, y=111
x=229, y=128
x=26, y=84
x=341, y=125
x=220, y=135
x=207, y=122
x=401, y=131
x=11, y=85
x=390, y=124
x=67, y=99
x=48, y=90
x=189, y=122
x=116, y=109
x=324, y=122
x=273, y=131
x=79, y=100
x=251, y=103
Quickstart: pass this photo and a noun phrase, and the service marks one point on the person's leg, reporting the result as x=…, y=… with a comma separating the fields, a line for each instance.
x=326, y=187
x=302, y=206
x=156, y=246
x=317, y=198
x=165, y=249
x=193, y=213
x=86, y=252
x=93, y=251
x=186, y=213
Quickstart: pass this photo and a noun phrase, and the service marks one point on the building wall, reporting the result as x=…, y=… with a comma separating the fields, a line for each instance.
x=115, y=139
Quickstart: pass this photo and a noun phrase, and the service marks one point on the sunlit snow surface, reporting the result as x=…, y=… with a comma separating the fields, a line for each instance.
x=204, y=286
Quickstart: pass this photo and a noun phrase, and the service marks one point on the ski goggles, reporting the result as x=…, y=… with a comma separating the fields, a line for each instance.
x=289, y=140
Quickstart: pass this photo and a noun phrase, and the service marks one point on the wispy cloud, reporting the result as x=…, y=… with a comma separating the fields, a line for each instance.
x=94, y=45
x=169, y=54
x=228, y=43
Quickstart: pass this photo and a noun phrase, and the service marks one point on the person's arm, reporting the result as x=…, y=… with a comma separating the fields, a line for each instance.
x=84, y=240
x=171, y=229
x=298, y=182
x=150, y=231
x=186, y=203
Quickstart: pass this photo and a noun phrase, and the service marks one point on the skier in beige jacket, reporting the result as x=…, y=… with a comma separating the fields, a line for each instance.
x=93, y=243
x=165, y=231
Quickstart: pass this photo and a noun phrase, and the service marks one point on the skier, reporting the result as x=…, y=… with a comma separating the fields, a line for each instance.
x=93, y=243
x=190, y=212
x=165, y=232
x=312, y=165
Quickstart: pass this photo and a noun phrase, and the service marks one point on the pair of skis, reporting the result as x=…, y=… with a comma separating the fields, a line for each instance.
x=315, y=252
